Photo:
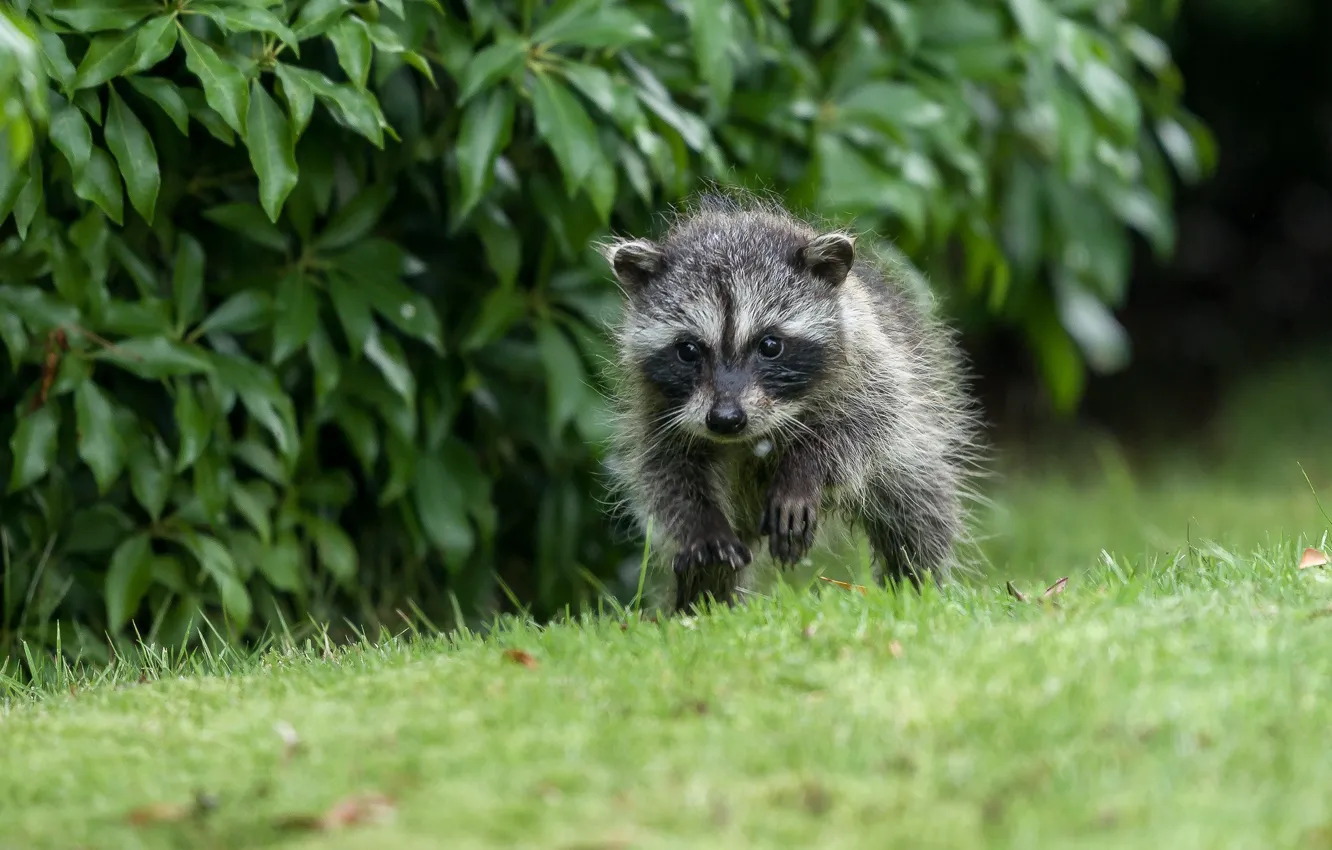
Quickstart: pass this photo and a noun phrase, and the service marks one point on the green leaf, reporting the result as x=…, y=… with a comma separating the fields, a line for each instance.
x=99, y=182
x=40, y=310
x=212, y=481
x=248, y=19
x=889, y=107
x=207, y=116
x=351, y=42
x=99, y=15
x=300, y=99
x=1037, y=21
x=1111, y=95
x=387, y=356
x=353, y=108
x=500, y=310
x=70, y=134
x=56, y=59
x=261, y=459
x=29, y=198
x=13, y=177
x=128, y=577
x=595, y=26
x=33, y=446
x=327, y=368
x=565, y=126
x=244, y=312
x=376, y=264
x=134, y=151
x=165, y=94
x=15, y=338
x=353, y=310
x=355, y=220
x=192, y=423
x=596, y=85
x=272, y=150
x=263, y=397
x=281, y=563
x=441, y=505
x=565, y=375
x=503, y=247
x=156, y=357
x=154, y=42
x=224, y=86
x=601, y=188
x=108, y=56
x=335, y=549
x=710, y=25
x=187, y=280
x=317, y=16
x=297, y=318
x=487, y=125
x=362, y=434
x=249, y=221
x=254, y=501
x=217, y=562
x=150, y=478
x=101, y=446
x=498, y=61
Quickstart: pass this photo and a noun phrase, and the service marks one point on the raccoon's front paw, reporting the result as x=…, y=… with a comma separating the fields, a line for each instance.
x=714, y=549
x=789, y=522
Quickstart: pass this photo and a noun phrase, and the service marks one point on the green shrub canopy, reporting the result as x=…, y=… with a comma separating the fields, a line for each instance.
x=297, y=301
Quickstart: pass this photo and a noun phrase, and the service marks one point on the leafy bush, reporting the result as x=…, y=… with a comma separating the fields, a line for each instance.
x=299, y=313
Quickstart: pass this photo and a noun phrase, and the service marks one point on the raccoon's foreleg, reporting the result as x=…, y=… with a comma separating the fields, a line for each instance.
x=710, y=554
x=790, y=516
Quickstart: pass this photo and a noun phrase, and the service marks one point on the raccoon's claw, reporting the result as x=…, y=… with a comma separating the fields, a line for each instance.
x=790, y=528
x=713, y=551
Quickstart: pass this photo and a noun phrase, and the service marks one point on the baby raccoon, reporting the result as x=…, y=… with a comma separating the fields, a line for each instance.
x=770, y=379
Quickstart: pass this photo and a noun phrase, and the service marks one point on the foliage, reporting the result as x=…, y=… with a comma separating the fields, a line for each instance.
x=298, y=306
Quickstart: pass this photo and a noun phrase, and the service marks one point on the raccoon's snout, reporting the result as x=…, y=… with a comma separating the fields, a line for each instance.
x=727, y=418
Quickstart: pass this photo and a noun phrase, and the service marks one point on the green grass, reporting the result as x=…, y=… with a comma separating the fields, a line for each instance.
x=1182, y=704
x=1175, y=696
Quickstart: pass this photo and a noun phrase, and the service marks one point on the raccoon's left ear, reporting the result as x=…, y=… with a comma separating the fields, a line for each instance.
x=829, y=257
x=635, y=261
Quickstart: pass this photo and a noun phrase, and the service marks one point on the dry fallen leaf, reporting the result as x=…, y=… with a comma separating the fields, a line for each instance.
x=1056, y=588
x=895, y=648
x=291, y=742
x=843, y=584
x=172, y=812
x=1017, y=594
x=1312, y=558
x=160, y=813
x=355, y=810
x=519, y=657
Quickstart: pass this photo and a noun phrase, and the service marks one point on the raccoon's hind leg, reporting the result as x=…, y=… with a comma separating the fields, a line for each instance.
x=911, y=528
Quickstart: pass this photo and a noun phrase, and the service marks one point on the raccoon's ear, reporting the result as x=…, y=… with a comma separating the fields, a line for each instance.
x=829, y=257
x=635, y=261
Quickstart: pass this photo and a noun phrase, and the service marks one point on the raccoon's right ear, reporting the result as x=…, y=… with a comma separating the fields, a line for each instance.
x=636, y=262
x=829, y=257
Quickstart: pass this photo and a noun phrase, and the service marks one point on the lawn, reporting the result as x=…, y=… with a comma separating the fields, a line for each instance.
x=1174, y=694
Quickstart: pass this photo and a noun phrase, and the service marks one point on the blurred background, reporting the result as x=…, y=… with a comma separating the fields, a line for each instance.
x=301, y=325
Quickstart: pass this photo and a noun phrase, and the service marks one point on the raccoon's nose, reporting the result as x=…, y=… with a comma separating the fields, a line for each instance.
x=726, y=418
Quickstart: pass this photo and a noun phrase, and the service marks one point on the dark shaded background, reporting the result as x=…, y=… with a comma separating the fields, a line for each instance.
x=1249, y=283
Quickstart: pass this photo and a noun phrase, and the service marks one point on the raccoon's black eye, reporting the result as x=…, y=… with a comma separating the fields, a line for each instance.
x=770, y=347
x=689, y=352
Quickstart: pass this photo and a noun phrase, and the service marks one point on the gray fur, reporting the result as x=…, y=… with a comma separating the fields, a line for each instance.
x=884, y=441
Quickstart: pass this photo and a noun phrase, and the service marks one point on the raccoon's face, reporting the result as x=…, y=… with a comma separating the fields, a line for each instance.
x=733, y=327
